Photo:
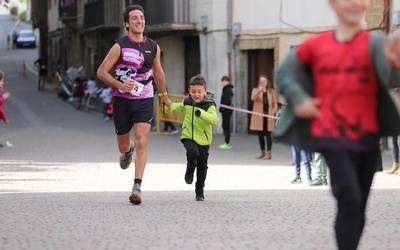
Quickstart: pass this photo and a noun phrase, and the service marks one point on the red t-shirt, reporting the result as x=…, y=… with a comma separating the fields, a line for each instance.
x=345, y=83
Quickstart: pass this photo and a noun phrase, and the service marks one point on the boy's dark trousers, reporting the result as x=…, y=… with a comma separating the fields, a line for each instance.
x=226, y=125
x=197, y=156
x=351, y=179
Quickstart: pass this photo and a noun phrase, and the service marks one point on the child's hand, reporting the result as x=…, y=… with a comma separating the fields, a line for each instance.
x=392, y=49
x=307, y=108
x=6, y=95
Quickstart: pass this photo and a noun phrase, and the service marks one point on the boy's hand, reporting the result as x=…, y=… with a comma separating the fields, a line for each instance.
x=392, y=49
x=308, y=108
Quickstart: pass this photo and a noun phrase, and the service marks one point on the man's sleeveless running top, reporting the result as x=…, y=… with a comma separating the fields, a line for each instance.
x=135, y=62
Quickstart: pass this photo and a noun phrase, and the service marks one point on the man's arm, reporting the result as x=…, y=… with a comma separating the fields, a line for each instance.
x=159, y=77
x=103, y=72
x=287, y=77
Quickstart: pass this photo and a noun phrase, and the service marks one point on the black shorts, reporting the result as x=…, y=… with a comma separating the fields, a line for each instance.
x=130, y=111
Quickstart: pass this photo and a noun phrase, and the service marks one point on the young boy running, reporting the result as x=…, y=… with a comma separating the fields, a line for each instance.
x=3, y=97
x=336, y=84
x=196, y=135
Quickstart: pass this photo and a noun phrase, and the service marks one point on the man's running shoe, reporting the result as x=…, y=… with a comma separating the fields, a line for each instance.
x=126, y=158
x=136, y=195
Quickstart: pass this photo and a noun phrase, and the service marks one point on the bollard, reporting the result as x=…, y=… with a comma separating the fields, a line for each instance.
x=23, y=69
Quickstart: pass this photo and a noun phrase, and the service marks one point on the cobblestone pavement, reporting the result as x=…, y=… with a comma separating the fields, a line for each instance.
x=254, y=219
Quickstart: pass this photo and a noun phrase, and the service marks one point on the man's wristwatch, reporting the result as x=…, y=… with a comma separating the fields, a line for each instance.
x=163, y=94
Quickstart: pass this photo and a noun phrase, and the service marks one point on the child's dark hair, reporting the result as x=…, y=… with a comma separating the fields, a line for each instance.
x=131, y=8
x=1, y=75
x=225, y=78
x=198, y=80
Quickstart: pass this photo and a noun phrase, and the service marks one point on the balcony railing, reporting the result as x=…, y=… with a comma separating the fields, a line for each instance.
x=103, y=14
x=166, y=15
x=67, y=9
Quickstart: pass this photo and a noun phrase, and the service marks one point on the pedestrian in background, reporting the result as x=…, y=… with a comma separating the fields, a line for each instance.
x=42, y=67
x=264, y=102
x=301, y=156
x=196, y=135
x=3, y=96
x=226, y=99
x=9, y=44
x=395, y=169
x=106, y=98
x=332, y=82
x=322, y=171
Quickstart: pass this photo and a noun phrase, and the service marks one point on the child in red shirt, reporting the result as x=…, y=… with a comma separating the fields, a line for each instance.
x=3, y=97
x=336, y=84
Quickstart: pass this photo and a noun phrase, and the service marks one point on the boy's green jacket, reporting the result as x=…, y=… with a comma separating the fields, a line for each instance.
x=197, y=128
x=295, y=82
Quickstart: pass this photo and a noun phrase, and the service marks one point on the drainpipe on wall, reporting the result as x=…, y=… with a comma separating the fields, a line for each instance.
x=386, y=14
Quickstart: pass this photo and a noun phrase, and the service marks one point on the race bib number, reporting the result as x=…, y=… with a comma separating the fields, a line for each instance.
x=137, y=89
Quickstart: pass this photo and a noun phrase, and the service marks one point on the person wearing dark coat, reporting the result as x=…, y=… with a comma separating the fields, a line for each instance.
x=226, y=99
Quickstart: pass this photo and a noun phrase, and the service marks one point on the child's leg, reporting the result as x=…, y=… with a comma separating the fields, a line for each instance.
x=202, y=166
x=366, y=170
x=297, y=161
x=307, y=162
x=192, y=153
x=350, y=189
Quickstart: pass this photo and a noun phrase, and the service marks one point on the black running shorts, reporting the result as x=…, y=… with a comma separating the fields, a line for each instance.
x=130, y=111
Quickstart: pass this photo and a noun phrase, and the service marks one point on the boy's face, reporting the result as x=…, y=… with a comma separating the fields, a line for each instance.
x=197, y=92
x=350, y=12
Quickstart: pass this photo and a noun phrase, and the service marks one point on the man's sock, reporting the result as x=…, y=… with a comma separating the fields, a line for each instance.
x=138, y=181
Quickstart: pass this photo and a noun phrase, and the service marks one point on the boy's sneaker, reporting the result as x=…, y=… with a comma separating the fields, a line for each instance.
x=126, y=158
x=200, y=194
x=199, y=198
x=296, y=180
x=189, y=176
x=136, y=195
x=225, y=146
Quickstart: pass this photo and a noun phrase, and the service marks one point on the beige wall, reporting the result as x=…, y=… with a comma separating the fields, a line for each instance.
x=375, y=14
x=173, y=62
x=272, y=14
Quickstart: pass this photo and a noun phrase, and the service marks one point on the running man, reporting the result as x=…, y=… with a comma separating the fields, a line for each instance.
x=135, y=61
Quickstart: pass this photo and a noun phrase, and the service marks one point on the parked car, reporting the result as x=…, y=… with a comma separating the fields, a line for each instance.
x=26, y=38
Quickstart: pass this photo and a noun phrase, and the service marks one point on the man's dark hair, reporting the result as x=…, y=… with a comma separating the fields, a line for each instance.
x=131, y=8
x=1, y=75
x=198, y=80
x=225, y=78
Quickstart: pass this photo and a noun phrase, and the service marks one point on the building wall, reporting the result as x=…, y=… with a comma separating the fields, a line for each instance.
x=375, y=14
x=272, y=14
x=173, y=62
x=211, y=18
x=53, y=18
